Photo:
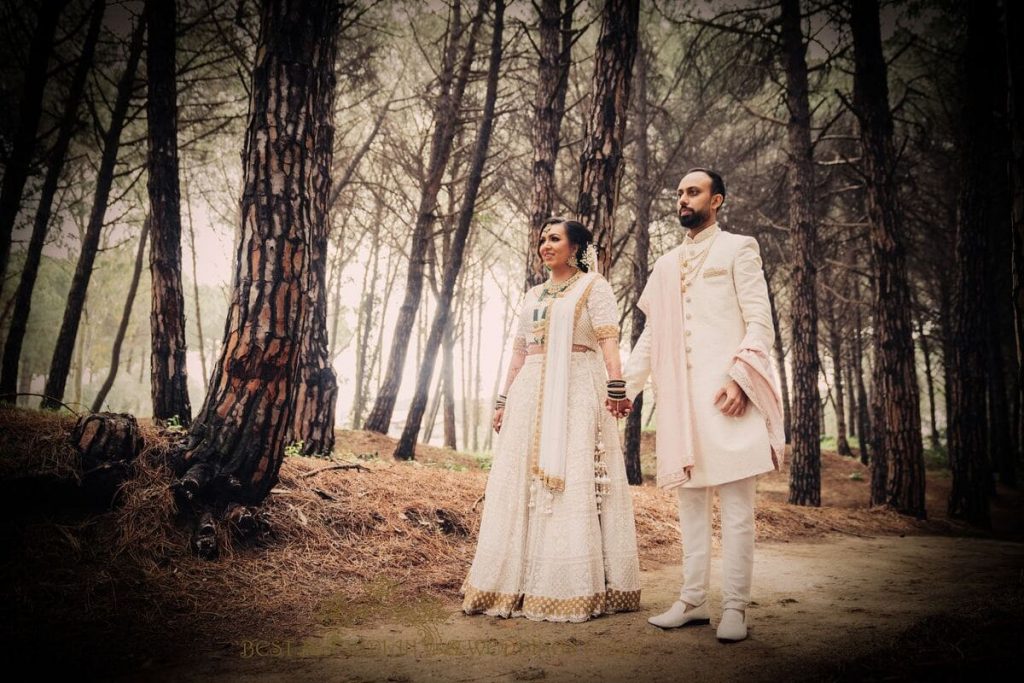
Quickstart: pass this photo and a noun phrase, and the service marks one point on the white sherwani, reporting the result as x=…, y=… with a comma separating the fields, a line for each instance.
x=725, y=302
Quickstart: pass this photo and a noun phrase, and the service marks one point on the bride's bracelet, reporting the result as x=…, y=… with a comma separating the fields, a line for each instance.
x=617, y=389
x=500, y=402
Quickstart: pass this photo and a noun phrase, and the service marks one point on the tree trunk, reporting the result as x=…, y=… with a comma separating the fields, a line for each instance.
x=969, y=498
x=236, y=444
x=446, y=112
x=477, y=377
x=363, y=326
x=645, y=191
x=126, y=314
x=40, y=227
x=448, y=387
x=601, y=163
x=406, y=445
x=16, y=167
x=863, y=412
x=555, y=49
x=61, y=361
x=805, y=471
x=898, y=408
x=929, y=377
x=195, y=291
x=851, y=395
x=168, y=372
x=316, y=392
x=836, y=351
x=780, y=365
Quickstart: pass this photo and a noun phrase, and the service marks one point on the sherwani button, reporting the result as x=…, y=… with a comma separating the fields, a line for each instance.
x=689, y=332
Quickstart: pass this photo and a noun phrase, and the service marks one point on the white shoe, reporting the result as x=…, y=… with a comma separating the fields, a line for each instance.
x=680, y=613
x=733, y=625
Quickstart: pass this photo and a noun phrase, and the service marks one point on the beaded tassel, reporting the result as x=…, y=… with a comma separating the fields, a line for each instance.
x=601, y=478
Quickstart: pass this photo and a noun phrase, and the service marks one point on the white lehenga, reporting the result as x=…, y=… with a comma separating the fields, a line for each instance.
x=558, y=555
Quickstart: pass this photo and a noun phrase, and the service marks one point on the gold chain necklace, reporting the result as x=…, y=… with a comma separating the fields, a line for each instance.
x=684, y=283
x=554, y=291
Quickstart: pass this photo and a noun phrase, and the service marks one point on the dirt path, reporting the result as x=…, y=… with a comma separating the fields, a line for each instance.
x=818, y=606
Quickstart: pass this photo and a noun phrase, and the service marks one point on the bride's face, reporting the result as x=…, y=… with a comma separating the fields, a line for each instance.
x=555, y=247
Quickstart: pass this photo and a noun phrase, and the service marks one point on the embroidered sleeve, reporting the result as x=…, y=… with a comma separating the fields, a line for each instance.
x=524, y=327
x=604, y=314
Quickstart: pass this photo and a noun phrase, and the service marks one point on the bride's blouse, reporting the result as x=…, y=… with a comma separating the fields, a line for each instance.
x=597, y=317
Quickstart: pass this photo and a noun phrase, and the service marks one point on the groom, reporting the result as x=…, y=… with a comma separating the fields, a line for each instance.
x=706, y=346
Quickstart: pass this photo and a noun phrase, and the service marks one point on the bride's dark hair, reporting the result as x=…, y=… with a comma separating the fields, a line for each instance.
x=575, y=232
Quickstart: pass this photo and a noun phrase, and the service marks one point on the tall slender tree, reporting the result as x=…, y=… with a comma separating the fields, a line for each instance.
x=41, y=225
x=968, y=433
x=236, y=444
x=168, y=372
x=604, y=139
x=453, y=79
x=555, y=58
x=60, y=364
x=805, y=471
x=897, y=406
x=16, y=168
x=406, y=445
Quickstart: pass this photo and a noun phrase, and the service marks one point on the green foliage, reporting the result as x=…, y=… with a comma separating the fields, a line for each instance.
x=294, y=448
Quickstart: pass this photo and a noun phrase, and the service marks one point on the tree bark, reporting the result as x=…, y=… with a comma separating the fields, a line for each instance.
x=195, y=291
x=780, y=365
x=555, y=49
x=316, y=393
x=898, y=404
x=406, y=445
x=449, y=102
x=835, y=345
x=969, y=498
x=929, y=378
x=644, y=197
x=805, y=471
x=604, y=139
x=41, y=225
x=236, y=444
x=168, y=372
x=126, y=314
x=60, y=364
x=16, y=168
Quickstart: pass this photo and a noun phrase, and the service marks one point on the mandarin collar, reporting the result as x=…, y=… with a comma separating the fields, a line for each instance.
x=704, y=235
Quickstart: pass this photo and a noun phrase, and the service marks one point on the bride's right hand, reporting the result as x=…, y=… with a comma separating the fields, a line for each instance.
x=499, y=414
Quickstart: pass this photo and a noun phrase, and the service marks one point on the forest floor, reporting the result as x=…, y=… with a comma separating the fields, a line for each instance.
x=359, y=579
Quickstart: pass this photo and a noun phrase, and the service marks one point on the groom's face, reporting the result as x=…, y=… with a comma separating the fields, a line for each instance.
x=696, y=205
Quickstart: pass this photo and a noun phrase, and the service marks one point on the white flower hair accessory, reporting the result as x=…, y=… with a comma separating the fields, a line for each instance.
x=590, y=258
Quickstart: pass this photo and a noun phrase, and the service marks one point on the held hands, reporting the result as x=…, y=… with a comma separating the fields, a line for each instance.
x=620, y=408
x=733, y=400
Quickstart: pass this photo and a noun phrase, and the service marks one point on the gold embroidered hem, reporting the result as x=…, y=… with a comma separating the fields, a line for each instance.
x=606, y=332
x=544, y=608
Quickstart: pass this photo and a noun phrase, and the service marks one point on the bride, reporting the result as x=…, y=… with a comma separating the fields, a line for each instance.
x=557, y=539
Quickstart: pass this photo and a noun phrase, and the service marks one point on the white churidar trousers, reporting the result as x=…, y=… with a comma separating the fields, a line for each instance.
x=736, y=499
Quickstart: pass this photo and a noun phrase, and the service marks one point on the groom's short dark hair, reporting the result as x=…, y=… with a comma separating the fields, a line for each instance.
x=717, y=184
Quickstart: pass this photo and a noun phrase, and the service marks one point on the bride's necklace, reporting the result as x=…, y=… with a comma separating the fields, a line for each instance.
x=554, y=290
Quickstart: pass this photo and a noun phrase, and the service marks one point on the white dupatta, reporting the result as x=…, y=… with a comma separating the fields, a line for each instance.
x=550, y=438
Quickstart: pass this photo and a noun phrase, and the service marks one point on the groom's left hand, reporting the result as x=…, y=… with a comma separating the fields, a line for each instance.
x=735, y=401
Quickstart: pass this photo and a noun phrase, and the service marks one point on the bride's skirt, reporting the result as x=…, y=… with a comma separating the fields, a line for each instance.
x=549, y=555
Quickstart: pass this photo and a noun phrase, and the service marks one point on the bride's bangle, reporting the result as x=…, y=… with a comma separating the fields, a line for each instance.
x=500, y=402
x=617, y=389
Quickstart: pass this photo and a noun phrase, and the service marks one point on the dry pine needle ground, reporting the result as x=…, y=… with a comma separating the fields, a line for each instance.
x=347, y=545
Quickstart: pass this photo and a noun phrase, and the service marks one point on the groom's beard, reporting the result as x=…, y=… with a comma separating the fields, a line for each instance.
x=693, y=219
